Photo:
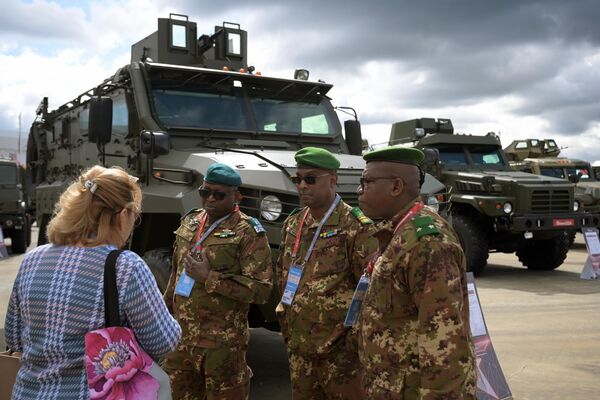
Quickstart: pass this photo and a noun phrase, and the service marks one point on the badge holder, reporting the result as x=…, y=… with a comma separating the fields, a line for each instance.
x=357, y=301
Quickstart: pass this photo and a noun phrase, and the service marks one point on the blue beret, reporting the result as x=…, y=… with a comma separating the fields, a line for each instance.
x=316, y=157
x=222, y=174
x=399, y=154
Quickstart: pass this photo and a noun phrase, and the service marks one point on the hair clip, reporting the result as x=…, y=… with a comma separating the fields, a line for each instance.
x=91, y=186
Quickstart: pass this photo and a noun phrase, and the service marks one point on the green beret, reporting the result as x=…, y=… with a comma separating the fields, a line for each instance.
x=399, y=154
x=222, y=174
x=316, y=157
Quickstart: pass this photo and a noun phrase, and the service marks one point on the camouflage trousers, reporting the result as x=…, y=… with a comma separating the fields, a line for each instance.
x=338, y=376
x=198, y=373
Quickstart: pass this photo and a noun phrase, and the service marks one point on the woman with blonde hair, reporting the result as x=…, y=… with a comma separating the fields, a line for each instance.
x=58, y=294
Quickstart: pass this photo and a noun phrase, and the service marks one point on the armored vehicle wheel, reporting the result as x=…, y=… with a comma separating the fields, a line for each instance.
x=571, y=237
x=545, y=255
x=473, y=241
x=19, y=241
x=159, y=261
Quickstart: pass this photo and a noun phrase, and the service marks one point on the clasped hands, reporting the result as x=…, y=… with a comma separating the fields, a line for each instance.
x=197, y=267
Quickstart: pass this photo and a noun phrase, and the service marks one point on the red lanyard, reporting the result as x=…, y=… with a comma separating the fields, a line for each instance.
x=203, y=222
x=411, y=213
x=299, y=235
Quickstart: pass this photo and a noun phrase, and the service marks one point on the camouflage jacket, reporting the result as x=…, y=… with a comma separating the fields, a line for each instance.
x=216, y=313
x=313, y=324
x=414, y=335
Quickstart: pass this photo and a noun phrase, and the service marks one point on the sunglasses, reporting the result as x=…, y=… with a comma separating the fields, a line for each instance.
x=216, y=194
x=309, y=179
x=365, y=181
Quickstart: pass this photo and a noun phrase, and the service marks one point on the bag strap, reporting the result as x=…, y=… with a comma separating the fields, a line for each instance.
x=111, y=294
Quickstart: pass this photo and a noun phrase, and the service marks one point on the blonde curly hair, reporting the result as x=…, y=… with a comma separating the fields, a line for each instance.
x=88, y=210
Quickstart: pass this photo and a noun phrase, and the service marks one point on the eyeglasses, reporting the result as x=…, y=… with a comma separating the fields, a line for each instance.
x=309, y=179
x=365, y=181
x=216, y=194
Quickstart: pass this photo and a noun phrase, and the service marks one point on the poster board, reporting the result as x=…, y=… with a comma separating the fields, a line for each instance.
x=491, y=384
x=591, y=268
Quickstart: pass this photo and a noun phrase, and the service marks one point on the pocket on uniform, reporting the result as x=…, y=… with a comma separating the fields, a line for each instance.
x=331, y=256
x=226, y=369
x=223, y=255
x=380, y=289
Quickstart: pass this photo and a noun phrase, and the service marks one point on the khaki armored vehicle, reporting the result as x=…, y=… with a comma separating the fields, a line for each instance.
x=182, y=104
x=492, y=207
x=519, y=150
x=15, y=217
x=579, y=172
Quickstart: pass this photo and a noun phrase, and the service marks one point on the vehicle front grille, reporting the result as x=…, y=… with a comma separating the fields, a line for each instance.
x=550, y=200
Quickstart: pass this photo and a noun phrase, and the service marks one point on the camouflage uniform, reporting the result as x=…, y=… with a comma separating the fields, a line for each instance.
x=414, y=335
x=322, y=352
x=211, y=358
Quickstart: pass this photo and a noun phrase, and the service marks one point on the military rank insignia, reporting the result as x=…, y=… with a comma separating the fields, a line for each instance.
x=358, y=213
x=424, y=226
x=225, y=233
x=328, y=234
x=256, y=225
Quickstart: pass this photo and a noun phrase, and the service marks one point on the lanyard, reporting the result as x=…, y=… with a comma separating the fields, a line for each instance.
x=411, y=213
x=317, y=232
x=199, y=239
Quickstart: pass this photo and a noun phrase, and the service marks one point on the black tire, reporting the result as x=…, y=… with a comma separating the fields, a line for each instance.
x=544, y=255
x=159, y=262
x=19, y=241
x=571, y=237
x=473, y=241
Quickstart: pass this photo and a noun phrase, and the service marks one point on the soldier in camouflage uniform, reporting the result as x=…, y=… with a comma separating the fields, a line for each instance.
x=414, y=334
x=232, y=270
x=322, y=352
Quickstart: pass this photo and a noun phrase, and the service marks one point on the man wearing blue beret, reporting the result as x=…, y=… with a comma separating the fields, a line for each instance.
x=325, y=247
x=415, y=341
x=221, y=264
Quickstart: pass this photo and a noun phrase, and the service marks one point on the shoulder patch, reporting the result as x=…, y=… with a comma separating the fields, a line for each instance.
x=424, y=226
x=358, y=213
x=193, y=210
x=254, y=223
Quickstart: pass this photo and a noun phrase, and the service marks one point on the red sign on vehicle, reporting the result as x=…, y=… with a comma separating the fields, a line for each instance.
x=563, y=222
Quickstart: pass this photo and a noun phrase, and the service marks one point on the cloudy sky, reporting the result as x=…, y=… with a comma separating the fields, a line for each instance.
x=520, y=68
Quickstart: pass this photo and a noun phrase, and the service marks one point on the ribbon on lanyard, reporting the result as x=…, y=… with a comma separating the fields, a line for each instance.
x=186, y=283
x=197, y=247
x=295, y=271
x=411, y=213
x=364, y=281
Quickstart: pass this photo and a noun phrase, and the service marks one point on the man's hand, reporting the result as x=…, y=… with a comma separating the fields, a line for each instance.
x=197, y=269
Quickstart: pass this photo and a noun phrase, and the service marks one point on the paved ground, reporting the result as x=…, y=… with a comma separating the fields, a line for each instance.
x=544, y=326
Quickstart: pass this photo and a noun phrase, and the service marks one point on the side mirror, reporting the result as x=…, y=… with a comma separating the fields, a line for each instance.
x=353, y=137
x=574, y=178
x=154, y=143
x=100, y=122
x=432, y=157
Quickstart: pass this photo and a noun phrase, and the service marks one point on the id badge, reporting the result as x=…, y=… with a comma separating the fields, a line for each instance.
x=293, y=280
x=357, y=301
x=184, y=285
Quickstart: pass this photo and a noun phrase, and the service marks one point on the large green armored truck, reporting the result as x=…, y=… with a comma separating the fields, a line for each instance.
x=494, y=208
x=182, y=104
x=15, y=218
x=547, y=163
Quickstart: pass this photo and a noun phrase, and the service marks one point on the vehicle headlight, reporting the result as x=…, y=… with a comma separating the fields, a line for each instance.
x=433, y=203
x=270, y=208
x=576, y=205
x=507, y=208
x=23, y=205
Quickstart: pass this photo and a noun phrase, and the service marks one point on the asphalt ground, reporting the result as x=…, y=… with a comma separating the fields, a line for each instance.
x=545, y=328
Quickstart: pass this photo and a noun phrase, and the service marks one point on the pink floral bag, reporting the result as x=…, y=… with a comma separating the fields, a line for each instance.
x=117, y=367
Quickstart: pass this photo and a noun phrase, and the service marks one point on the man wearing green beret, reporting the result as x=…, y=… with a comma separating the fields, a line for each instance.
x=221, y=264
x=325, y=247
x=414, y=335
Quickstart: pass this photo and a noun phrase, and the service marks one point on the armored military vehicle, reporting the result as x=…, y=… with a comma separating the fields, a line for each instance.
x=519, y=150
x=182, y=104
x=494, y=208
x=15, y=216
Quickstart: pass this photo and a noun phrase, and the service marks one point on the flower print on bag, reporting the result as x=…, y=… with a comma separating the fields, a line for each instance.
x=117, y=368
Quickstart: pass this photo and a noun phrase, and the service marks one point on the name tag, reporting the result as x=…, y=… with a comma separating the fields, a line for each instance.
x=184, y=285
x=293, y=280
x=357, y=301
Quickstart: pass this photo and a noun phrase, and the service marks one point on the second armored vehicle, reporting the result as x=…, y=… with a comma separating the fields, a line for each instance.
x=494, y=208
x=15, y=217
